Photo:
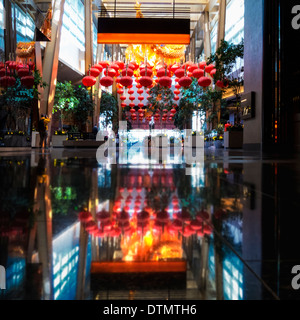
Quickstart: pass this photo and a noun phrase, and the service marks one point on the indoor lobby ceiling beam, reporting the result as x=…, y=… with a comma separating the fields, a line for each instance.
x=50, y=64
x=221, y=24
x=207, y=42
x=88, y=9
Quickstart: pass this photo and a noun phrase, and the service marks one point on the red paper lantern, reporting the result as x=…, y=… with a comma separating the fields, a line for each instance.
x=209, y=68
x=146, y=81
x=185, y=82
x=89, y=81
x=179, y=73
x=123, y=105
x=94, y=72
x=176, y=98
x=177, y=92
x=149, y=72
x=107, y=81
x=141, y=105
x=204, y=82
x=99, y=67
x=162, y=73
x=173, y=111
x=23, y=72
x=165, y=81
x=202, y=65
x=132, y=111
x=220, y=84
x=192, y=67
x=213, y=72
x=121, y=64
x=110, y=72
x=27, y=82
x=177, y=86
x=115, y=67
x=126, y=81
x=140, y=91
x=198, y=73
x=104, y=64
x=131, y=105
x=133, y=65
x=12, y=65
x=123, y=98
x=130, y=91
x=175, y=67
x=131, y=98
x=2, y=72
x=127, y=72
x=141, y=98
x=120, y=91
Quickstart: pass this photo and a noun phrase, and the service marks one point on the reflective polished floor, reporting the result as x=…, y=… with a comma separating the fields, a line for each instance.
x=72, y=228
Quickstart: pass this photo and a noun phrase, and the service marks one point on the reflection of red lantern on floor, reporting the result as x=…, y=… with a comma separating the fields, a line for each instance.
x=103, y=216
x=202, y=215
x=85, y=216
x=196, y=225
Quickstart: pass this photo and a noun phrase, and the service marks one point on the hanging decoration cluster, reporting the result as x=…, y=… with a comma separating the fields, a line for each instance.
x=11, y=70
x=144, y=77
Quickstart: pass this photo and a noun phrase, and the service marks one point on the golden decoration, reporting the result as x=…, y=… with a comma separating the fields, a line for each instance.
x=25, y=50
x=155, y=53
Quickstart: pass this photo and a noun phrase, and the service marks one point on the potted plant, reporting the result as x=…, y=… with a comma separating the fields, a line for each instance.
x=58, y=138
x=233, y=137
x=17, y=102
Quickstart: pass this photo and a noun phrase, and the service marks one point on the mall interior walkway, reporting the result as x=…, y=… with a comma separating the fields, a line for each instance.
x=248, y=203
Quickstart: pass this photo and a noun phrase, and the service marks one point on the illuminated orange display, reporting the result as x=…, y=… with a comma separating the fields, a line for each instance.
x=142, y=38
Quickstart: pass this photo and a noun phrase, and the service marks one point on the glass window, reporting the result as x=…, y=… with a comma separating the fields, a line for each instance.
x=234, y=29
x=25, y=25
x=2, y=26
x=214, y=36
x=72, y=44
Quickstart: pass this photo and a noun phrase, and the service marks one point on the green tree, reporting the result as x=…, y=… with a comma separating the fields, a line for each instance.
x=109, y=111
x=189, y=103
x=64, y=101
x=227, y=60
